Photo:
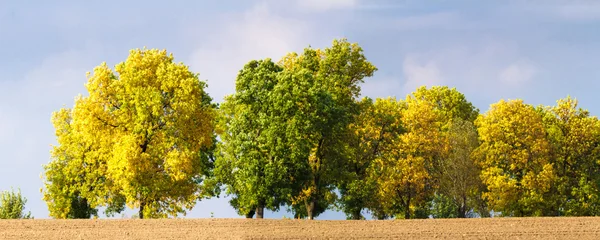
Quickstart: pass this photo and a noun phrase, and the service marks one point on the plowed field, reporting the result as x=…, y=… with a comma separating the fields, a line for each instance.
x=497, y=228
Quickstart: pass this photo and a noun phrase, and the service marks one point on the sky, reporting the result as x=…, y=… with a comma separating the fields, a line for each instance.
x=538, y=51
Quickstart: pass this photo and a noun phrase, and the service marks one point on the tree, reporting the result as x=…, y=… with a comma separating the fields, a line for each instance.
x=149, y=125
x=372, y=131
x=75, y=180
x=451, y=103
x=514, y=156
x=460, y=184
x=405, y=182
x=12, y=205
x=250, y=162
x=317, y=101
x=454, y=111
x=442, y=206
x=574, y=137
x=420, y=178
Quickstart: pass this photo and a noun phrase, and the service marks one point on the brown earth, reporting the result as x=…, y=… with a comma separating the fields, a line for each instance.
x=496, y=228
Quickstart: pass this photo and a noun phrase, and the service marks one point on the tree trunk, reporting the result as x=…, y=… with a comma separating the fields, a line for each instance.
x=310, y=209
x=141, y=213
x=356, y=215
x=462, y=209
x=461, y=212
x=260, y=212
x=407, y=210
x=379, y=214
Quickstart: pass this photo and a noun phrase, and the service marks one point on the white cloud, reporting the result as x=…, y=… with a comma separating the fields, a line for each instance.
x=576, y=11
x=518, y=73
x=57, y=77
x=257, y=34
x=381, y=86
x=50, y=85
x=496, y=66
x=579, y=11
x=7, y=128
x=324, y=5
x=433, y=20
x=418, y=74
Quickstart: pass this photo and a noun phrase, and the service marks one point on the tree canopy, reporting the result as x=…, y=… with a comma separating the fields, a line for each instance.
x=298, y=134
x=515, y=158
x=251, y=162
x=139, y=138
x=12, y=205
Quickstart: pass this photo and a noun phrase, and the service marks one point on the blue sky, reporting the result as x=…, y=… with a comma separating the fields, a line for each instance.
x=536, y=50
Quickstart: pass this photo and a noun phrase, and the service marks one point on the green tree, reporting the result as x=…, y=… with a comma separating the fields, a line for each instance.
x=148, y=125
x=574, y=137
x=444, y=207
x=515, y=158
x=317, y=100
x=460, y=184
x=12, y=205
x=250, y=162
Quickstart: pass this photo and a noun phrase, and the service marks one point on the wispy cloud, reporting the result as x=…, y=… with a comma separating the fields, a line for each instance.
x=257, y=34
x=577, y=10
x=497, y=66
x=517, y=73
x=444, y=20
x=417, y=74
x=324, y=5
x=381, y=86
x=570, y=11
x=7, y=128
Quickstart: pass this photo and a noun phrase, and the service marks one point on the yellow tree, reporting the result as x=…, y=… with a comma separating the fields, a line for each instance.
x=373, y=130
x=450, y=103
x=453, y=171
x=514, y=156
x=404, y=180
x=75, y=179
x=152, y=125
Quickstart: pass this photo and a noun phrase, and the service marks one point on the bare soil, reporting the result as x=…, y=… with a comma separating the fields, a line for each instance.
x=496, y=228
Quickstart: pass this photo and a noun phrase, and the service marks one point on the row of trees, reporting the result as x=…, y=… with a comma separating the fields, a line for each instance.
x=296, y=134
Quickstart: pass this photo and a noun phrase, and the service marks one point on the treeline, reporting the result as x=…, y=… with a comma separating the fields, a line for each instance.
x=296, y=134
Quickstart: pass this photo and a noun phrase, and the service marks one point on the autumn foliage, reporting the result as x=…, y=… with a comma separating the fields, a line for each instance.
x=137, y=139
x=297, y=134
